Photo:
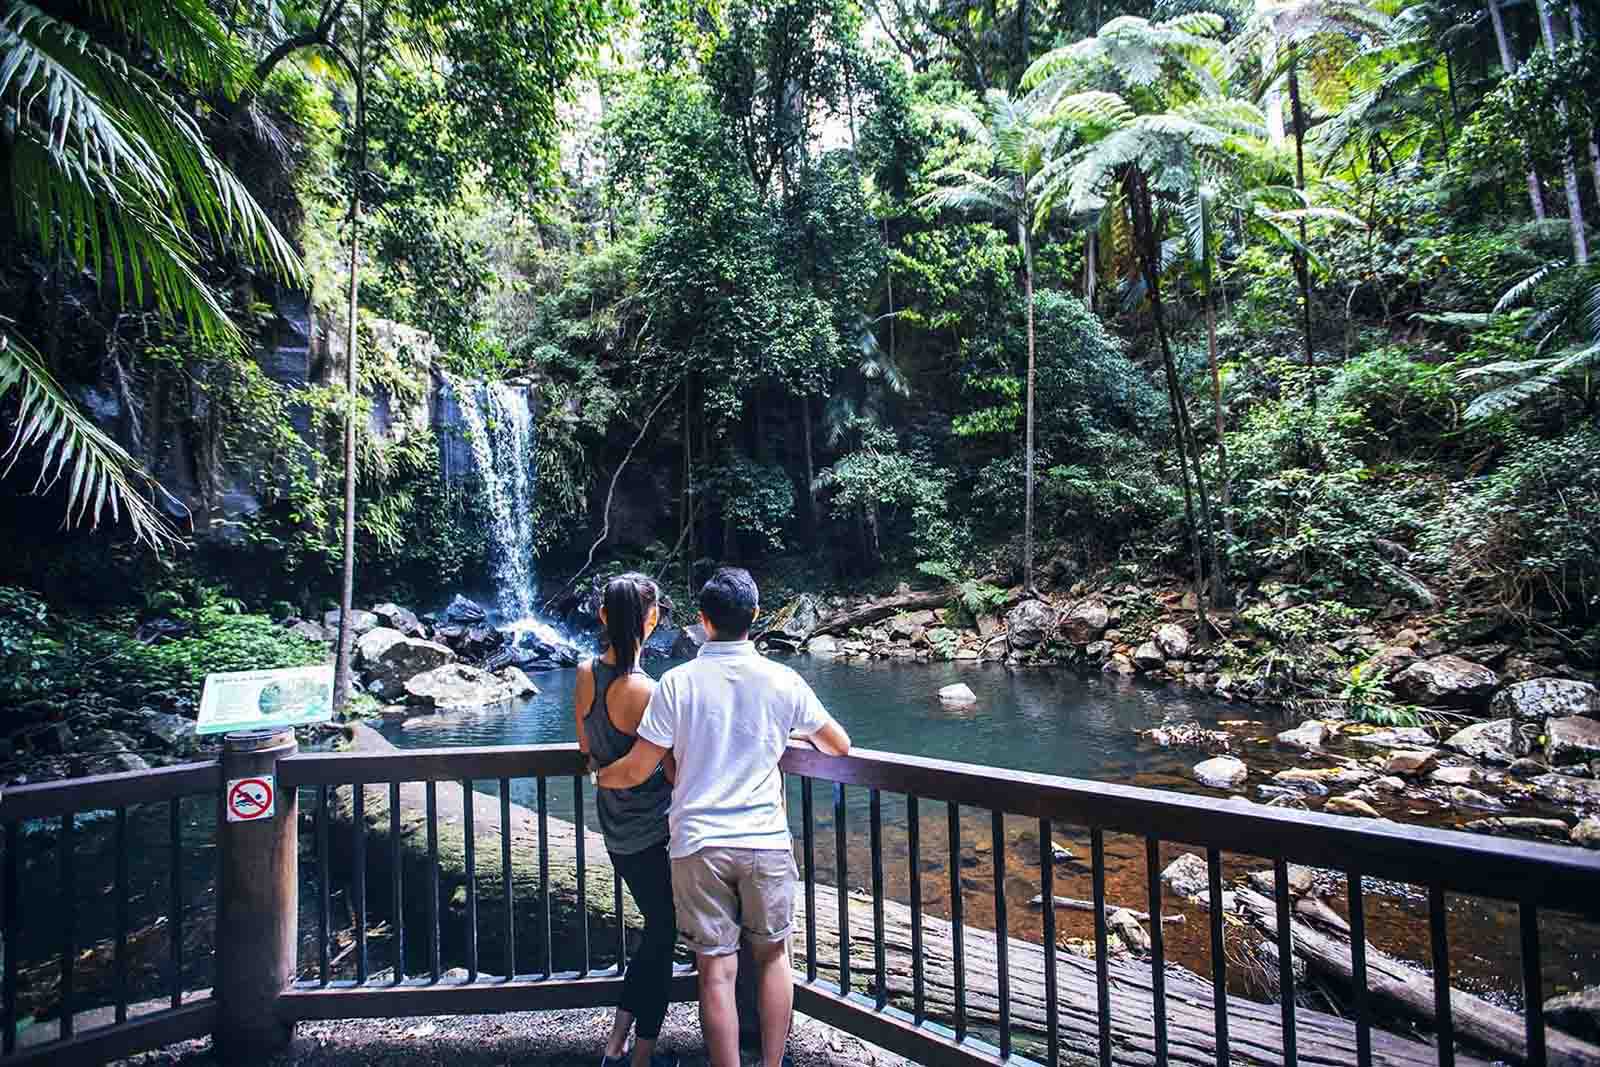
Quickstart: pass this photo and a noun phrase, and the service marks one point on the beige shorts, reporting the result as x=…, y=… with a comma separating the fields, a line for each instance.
x=720, y=893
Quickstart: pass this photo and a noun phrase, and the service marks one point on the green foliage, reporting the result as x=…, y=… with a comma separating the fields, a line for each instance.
x=1367, y=698
x=758, y=499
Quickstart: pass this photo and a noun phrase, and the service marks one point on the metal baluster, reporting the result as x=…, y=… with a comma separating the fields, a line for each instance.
x=121, y=958
x=1158, y=962
x=1444, y=1024
x=1002, y=934
x=324, y=892
x=68, y=904
x=470, y=845
x=358, y=879
x=622, y=925
x=583, y=895
x=1358, y=970
x=880, y=963
x=396, y=886
x=1097, y=858
x=958, y=933
x=1219, y=955
x=841, y=887
x=13, y=901
x=1047, y=893
x=914, y=848
x=175, y=895
x=507, y=883
x=809, y=855
x=434, y=970
x=1532, y=984
x=1280, y=889
x=544, y=875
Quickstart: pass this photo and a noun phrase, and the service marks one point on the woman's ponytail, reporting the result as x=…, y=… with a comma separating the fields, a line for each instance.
x=628, y=600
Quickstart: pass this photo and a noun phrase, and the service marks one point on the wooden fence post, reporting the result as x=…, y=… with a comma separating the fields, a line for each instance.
x=257, y=895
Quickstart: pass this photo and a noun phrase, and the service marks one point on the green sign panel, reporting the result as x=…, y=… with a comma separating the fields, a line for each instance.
x=258, y=700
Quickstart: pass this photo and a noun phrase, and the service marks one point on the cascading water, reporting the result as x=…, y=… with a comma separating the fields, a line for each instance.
x=500, y=432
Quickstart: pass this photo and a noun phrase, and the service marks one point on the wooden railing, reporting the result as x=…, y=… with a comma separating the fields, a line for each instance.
x=880, y=986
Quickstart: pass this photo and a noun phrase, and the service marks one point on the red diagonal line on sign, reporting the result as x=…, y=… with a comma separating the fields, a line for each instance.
x=241, y=794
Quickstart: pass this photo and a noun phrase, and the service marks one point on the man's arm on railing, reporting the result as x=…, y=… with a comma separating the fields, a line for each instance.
x=831, y=739
x=631, y=770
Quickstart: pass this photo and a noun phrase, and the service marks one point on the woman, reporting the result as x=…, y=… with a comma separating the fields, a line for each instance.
x=611, y=698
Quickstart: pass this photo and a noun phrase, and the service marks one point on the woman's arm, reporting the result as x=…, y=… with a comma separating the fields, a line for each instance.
x=669, y=767
x=582, y=701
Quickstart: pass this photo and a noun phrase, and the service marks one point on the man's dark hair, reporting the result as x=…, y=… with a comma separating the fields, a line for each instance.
x=729, y=601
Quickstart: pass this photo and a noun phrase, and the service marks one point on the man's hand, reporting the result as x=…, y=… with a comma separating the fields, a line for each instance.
x=631, y=770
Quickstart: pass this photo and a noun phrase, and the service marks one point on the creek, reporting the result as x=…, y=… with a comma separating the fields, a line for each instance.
x=1057, y=722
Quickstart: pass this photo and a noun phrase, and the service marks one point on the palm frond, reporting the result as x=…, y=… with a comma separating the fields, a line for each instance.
x=1507, y=397
x=1522, y=291
x=187, y=36
x=973, y=191
x=102, y=480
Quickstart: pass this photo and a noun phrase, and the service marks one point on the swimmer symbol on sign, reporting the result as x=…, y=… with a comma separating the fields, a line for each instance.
x=250, y=799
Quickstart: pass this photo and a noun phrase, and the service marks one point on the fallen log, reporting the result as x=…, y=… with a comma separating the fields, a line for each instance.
x=1412, y=992
x=883, y=608
x=1255, y=1034
x=1074, y=904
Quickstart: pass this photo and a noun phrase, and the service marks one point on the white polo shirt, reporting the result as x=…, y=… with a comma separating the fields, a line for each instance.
x=727, y=716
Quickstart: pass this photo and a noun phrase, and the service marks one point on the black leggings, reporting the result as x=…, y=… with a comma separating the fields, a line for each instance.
x=648, y=875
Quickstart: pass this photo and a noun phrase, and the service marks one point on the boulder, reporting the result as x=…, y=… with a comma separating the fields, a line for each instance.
x=1446, y=681
x=1527, y=768
x=1388, y=783
x=1574, y=739
x=687, y=646
x=371, y=645
x=1567, y=791
x=310, y=631
x=958, y=694
x=1187, y=876
x=1576, y=1013
x=794, y=622
x=1086, y=621
x=1393, y=658
x=1125, y=924
x=1173, y=639
x=1221, y=772
x=1519, y=826
x=1148, y=657
x=454, y=686
x=1587, y=832
x=1392, y=737
x=1488, y=741
x=400, y=660
x=1320, y=781
x=464, y=612
x=1029, y=624
x=521, y=685
x=1301, y=880
x=823, y=645
x=396, y=617
x=173, y=732
x=360, y=622
x=1352, y=805
x=479, y=642
x=1307, y=737
x=1546, y=698
x=1462, y=797
x=1409, y=762
x=659, y=644
x=1460, y=775
x=1119, y=664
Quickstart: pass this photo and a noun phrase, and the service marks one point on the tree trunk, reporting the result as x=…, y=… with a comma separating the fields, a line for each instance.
x=1509, y=63
x=811, y=466
x=1302, y=269
x=1225, y=490
x=1272, y=102
x=884, y=607
x=1027, y=275
x=1569, y=170
x=347, y=582
x=1091, y=248
x=1146, y=245
x=1575, y=14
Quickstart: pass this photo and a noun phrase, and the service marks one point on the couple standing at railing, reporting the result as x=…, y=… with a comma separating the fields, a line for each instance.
x=691, y=805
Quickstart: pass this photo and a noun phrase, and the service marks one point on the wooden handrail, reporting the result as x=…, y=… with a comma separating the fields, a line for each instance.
x=105, y=792
x=432, y=764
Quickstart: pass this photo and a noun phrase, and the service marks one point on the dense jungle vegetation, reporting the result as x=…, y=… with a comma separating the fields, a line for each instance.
x=1294, y=295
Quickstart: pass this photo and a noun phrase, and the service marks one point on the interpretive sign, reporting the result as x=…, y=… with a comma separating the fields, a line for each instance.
x=250, y=799
x=257, y=700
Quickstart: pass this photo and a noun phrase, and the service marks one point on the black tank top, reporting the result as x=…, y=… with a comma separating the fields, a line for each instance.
x=631, y=820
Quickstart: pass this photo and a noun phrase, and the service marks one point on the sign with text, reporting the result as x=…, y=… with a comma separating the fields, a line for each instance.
x=258, y=700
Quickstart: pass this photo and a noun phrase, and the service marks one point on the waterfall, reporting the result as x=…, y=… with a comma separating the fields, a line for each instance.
x=499, y=425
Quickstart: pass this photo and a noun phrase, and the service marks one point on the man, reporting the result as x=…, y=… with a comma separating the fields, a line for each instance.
x=727, y=717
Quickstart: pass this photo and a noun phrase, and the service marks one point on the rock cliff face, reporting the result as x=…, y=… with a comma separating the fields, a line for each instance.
x=171, y=426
